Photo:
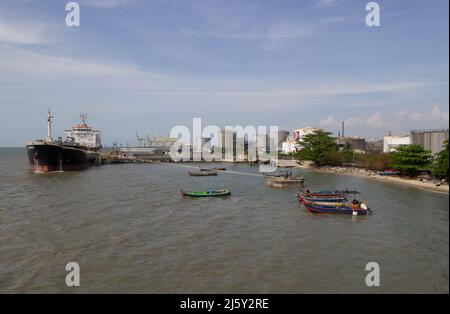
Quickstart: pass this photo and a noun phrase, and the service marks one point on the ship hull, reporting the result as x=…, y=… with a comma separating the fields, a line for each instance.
x=44, y=157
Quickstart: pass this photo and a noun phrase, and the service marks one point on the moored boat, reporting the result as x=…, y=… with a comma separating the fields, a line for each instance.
x=389, y=172
x=280, y=182
x=337, y=208
x=328, y=194
x=331, y=199
x=209, y=193
x=203, y=173
x=213, y=169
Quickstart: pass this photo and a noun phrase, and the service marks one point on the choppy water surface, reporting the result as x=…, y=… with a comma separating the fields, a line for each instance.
x=130, y=230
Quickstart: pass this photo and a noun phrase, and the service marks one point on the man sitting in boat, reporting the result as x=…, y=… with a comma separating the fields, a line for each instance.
x=356, y=204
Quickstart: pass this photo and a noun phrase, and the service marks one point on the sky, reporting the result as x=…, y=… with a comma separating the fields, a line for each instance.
x=148, y=65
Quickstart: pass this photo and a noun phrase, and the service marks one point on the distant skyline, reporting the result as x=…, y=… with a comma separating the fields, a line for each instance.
x=147, y=66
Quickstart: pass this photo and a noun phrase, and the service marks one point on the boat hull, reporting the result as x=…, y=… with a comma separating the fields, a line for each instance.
x=285, y=183
x=206, y=193
x=335, y=210
x=49, y=157
x=330, y=208
x=203, y=174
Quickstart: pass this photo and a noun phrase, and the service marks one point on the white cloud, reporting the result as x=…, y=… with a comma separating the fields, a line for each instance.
x=26, y=65
x=107, y=4
x=375, y=121
x=329, y=122
x=328, y=3
x=434, y=117
x=287, y=30
x=25, y=62
x=401, y=122
x=25, y=33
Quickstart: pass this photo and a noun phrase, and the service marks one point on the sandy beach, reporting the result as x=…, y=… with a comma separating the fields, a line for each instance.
x=361, y=172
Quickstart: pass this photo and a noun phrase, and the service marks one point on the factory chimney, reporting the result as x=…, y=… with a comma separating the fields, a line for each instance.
x=343, y=129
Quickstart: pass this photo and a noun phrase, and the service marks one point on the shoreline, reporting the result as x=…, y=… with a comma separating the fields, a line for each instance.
x=369, y=174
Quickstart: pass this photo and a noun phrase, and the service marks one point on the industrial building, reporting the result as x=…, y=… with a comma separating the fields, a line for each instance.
x=280, y=137
x=391, y=142
x=357, y=144
x=374, y=146
x=432, y=139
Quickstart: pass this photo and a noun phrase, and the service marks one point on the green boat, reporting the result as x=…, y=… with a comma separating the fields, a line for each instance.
x=210, y=193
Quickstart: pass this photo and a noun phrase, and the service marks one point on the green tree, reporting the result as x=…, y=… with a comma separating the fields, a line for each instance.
x=318, y=147
x=409, y=159
x=440, y=164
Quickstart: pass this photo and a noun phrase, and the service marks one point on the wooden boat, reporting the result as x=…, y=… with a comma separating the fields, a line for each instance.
x=209, y=193
x=203, y=173
x=280, y=182
x=328, y=194
x=330, y=199
x=353, y=209
x=206, y=169
x=213, y=169
x=281, y=174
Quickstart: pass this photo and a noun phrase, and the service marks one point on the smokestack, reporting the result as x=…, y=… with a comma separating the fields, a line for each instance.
x=343, y=129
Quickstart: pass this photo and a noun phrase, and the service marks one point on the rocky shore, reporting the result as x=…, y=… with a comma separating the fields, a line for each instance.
x=430, y=185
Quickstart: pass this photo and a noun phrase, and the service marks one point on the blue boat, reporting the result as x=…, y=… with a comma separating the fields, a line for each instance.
x=352, y=209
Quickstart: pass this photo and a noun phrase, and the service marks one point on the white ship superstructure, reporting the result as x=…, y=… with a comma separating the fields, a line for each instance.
x=84, y=135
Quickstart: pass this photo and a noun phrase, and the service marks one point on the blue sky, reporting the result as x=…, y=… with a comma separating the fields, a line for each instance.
x=146, y=66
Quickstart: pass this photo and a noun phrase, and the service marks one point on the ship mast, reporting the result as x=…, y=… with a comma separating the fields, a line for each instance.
x=83, y=117
x=49, y=126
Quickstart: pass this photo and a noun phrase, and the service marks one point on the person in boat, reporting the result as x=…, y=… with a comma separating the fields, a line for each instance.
x=356, y=204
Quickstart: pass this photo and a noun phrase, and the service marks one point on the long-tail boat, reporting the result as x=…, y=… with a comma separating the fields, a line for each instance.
x=328, y=194
x=209, y=193
x=213, y=169
x=337, y=208
x=203, y=173
x=285, y=182
x=331, y=199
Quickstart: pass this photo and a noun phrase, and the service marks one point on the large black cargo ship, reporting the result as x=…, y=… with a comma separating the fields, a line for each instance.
x=77, y=152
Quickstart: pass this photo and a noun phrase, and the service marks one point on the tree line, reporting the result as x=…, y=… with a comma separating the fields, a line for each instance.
x=321, y=148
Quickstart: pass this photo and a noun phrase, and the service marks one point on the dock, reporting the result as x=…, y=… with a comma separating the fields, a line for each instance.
x=115, y=158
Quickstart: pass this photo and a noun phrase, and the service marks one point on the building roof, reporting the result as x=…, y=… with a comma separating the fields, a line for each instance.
x=428, y=130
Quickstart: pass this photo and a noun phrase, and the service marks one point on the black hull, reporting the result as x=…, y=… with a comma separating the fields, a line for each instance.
x=55, y=157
